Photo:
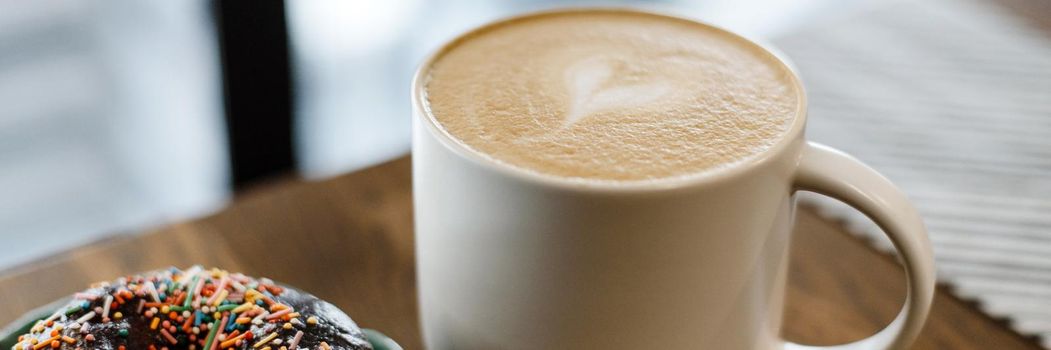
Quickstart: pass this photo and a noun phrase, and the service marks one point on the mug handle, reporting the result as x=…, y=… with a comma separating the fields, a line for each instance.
x=833, y=173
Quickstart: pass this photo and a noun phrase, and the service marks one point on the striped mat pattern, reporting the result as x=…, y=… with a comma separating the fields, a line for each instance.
x=950, y=99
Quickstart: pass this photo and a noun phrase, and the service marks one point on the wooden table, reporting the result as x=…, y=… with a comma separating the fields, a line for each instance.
x=349, y=240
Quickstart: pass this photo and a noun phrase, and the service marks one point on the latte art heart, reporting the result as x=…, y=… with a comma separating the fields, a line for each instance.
x=611, y=96
x=591, y=90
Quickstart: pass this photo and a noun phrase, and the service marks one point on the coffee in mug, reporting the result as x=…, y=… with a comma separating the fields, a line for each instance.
x=616, y=179
x=611, y=96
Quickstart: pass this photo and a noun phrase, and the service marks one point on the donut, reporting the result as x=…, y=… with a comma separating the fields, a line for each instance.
x=195, y=308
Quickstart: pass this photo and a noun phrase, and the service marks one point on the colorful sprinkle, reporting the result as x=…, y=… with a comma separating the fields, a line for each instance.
x=196, y=308
x=295, y=340
x=265, y=340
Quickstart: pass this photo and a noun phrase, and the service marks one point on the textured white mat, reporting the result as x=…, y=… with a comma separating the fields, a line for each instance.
x=951, y=99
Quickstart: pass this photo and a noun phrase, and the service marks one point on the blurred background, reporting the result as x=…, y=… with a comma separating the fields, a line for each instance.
x=120, y=115
x=117, y=116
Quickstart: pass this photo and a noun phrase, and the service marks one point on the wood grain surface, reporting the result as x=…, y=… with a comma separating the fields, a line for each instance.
x=350, y=240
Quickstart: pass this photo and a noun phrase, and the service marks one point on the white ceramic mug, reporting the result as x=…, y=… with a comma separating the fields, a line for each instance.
x=509, y=259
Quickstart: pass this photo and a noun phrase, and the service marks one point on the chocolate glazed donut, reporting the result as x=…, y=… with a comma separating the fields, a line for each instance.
x=194, y=309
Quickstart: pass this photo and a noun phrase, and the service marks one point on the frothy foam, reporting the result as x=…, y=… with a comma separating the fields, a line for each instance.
x=611, y=95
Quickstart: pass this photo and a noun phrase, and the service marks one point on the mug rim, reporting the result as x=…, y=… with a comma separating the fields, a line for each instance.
x=461, y=149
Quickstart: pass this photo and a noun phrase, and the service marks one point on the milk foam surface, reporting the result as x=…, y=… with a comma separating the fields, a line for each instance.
x=611, y=96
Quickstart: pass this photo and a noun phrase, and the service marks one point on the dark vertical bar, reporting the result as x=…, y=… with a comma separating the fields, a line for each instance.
x=253, y=40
